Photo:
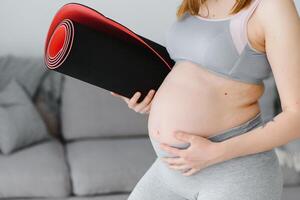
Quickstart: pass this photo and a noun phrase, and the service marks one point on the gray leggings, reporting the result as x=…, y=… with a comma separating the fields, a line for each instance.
x=252, y=177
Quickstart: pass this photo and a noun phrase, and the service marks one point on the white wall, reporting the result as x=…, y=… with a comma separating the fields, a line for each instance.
x=24, y=23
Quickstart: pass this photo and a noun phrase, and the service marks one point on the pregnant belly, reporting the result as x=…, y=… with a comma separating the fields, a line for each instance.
x=193, y=100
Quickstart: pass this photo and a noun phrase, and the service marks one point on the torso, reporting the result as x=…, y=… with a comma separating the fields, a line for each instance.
x=194, y=100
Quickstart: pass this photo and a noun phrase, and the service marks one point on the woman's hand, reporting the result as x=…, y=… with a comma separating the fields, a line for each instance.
x=142, y=107
x=200, y=154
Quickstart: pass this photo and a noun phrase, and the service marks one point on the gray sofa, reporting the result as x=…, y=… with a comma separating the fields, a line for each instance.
x=100, y=148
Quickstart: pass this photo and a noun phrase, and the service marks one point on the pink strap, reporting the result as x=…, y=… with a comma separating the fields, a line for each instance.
x=252, y=8
x=249, y=14
x=238, y=26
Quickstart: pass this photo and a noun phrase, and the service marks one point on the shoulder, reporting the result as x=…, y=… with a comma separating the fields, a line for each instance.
x=279, y=11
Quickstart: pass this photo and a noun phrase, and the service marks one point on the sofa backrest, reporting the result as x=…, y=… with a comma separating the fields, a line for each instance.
x=89, y=111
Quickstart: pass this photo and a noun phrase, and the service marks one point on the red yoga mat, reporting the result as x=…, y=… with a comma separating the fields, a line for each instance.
x=86, y=45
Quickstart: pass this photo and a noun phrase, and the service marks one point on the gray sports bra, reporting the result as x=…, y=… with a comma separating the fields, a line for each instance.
x=219, y=45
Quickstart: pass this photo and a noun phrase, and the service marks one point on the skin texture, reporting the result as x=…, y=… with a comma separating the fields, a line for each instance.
x=204, y=104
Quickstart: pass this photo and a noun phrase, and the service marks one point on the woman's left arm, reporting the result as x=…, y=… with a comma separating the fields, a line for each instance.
x=281, y=26
x=280, y=23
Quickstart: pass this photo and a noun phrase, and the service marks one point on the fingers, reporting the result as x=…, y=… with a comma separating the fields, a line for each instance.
x=142, y=107
x=118, y=95
x=172, y=150
x=146, y=109
x=179, y=167
x=179, y=164
x=133, y=101
x=115, y=94
x=190, y=172
x=174, y=161
x=185, y=136
x=146, y=101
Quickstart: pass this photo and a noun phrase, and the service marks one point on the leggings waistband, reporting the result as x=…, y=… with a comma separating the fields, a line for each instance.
x=221, y=136
x=238, y=130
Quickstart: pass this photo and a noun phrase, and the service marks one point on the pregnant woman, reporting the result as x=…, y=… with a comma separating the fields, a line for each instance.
x=204, y=121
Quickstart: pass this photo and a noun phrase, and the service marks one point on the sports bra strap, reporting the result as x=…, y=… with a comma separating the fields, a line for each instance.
x=252, y=8
x=238, y=26
x=245, y=21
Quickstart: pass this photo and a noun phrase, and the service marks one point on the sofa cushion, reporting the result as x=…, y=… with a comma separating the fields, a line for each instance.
x=291, y=193
x=108, y=165
x=28, y=71
x=90, y=111
x=289, y=162
x=101, y=197
x=47, y=100
x=290, y=176
x=20, y=123
x=36, y=171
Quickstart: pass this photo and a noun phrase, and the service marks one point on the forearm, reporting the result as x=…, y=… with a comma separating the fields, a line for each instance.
x=282, y=129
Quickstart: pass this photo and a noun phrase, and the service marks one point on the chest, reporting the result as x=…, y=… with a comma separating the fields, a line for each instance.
x=220, y=46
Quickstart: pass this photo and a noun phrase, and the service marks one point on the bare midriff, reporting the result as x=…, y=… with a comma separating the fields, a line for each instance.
x=197, y=101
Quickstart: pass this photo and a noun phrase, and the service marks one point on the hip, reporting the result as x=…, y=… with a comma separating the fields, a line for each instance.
x=258, y=173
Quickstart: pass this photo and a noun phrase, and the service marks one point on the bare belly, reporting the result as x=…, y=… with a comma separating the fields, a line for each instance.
x=197, y=101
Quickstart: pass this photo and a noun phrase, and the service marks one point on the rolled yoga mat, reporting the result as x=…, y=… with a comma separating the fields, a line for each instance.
x=86, y=45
